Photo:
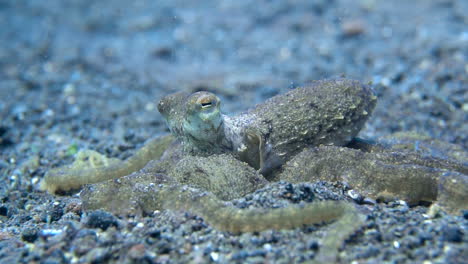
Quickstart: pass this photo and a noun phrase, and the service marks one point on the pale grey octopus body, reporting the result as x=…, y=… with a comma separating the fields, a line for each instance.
x=297, y=136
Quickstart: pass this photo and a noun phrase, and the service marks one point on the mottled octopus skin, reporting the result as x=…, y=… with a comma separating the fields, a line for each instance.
x=312, y=122
x=146, y=193
x=405, y=166
x=328, y=112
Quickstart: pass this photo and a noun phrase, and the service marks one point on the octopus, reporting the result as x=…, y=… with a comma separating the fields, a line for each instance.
x=323, y=113
x=305, y=135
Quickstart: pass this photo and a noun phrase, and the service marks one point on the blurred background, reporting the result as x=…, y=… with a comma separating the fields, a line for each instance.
x=86, y=74
x=89, y=73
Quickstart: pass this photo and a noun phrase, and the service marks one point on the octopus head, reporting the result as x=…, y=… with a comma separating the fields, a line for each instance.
x=203, y=119
x=196, y=117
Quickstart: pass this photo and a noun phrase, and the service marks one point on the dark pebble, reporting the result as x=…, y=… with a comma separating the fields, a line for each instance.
x=307, y=194
x=3, y=130
x=425, y=236
x=272, y=238
x=258, y=253
x=198, y=226
x=240, y=255
x=3, y=210
x=370, y=251
x=163, y=247
x=156, y=233
x=452, y=234
x=375, y=234
x=164, y=53
x=465, y=214
x=288, y=188
x=56, y=213
x=4, y=140
x=413, y=242
x=12, y=211
x=123, y=147
x=313, y=245
x=30, y=234
x=129, y=135
x=101, y=219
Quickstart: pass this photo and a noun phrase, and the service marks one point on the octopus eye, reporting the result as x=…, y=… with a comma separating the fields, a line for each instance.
x=206, y=105
x=206, y=102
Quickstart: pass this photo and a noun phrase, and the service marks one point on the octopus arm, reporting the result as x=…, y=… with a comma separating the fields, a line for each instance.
x=92, y=167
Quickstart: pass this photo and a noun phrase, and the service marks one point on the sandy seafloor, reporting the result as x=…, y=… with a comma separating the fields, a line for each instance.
x=83, y=74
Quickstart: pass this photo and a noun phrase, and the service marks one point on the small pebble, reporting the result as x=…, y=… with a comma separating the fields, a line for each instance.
x=3, y=210
x=137, y=251
x=214, y=256
x=452, y=234
x=101, y=219
x=353, y=27
x=51, y=232
x=29, y=234
x=465, y=214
